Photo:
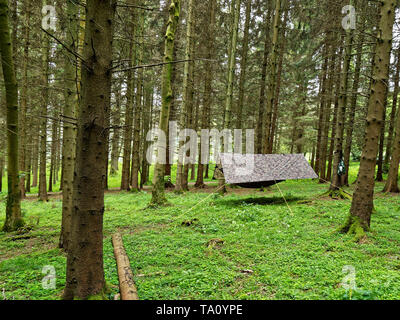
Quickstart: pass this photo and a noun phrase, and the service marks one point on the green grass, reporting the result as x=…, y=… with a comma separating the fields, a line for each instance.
x=289, y=253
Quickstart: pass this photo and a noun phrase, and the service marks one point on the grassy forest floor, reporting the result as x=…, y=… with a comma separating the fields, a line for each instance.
x=245, y=245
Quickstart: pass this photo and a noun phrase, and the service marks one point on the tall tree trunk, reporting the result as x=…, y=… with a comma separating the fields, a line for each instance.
x=272, y=77
x=35, y=157
x=243, y=66
x=13, y=208
x=158, y=193
x=207, y=97
x=229, y=90
x=363, y=197
x=138, y=110
x=379, y=173
x=23, y=102
x=393, y=176
x=146, y=127
x=69, y=130
x=261, y=106
x=353, y=106
x=335, y=61
x=394, y=110
x=85, y=272
x=115, y=141
x=43, y=120
x=127, y=151
x=278, y=83
x=180, y=184
x=321, y=115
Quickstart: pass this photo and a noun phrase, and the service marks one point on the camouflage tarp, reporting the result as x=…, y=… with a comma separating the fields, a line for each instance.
x=254, y=170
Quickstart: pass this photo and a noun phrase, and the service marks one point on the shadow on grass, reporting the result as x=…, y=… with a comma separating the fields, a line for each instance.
x=260, y=201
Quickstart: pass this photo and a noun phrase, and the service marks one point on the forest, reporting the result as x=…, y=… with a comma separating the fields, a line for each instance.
x=119, y=120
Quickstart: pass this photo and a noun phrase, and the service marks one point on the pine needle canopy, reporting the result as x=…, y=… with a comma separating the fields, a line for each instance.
x=262, y=170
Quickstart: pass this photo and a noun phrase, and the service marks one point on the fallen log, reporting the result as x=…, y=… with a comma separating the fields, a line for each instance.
x=127, y=287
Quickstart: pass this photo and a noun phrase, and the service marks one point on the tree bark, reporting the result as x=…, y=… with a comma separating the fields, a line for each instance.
x=69, y=130
x=272, y=77
x=158, y=193
x=13, y=207
x=187, y=101
x=85, y=272
x=353, y=106
x=261, y=106
x=363, y=197
x=396, y=79
x=43, y=121
x=138, y=110
x=127, y=287
x=126, y=162
x=207, y=98
x=337, y=178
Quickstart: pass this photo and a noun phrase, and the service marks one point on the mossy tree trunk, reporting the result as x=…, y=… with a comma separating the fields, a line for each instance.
x=13, y=208
x=85, y=272
x=158, y=193
x=180, y=185
x=363, y=197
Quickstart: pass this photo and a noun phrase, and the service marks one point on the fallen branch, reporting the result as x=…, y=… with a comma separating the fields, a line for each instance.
x=127, y=287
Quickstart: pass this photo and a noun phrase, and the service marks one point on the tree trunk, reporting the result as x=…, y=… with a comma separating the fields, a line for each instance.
x=272, y=77
x=278, y=84
x=158, y=193
x=13, y=207
x=85, y=272
x=126, y=162
x=207, y=98
x=353, y=107
x=261, y=106
x=115, y=141
x=327, y=106
x=231, y=74
x=180, y=184
x=379, y=174
x=69, y=130
x=337, y=177
x=363, y=197
x=43, y=120
x=243, y=66
x=23, y=102
x=321, y=116
x=394, y=110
